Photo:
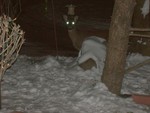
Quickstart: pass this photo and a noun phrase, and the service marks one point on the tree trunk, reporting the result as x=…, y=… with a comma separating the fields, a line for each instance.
x=114, y=68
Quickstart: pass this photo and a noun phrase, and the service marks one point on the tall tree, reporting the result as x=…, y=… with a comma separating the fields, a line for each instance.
x=117, y=45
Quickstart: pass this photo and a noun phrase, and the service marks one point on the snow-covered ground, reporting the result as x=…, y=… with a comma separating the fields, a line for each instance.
x=48, y=85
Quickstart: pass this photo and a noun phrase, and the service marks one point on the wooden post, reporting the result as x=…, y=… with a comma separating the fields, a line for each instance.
x=71, y=9
x=114, y=68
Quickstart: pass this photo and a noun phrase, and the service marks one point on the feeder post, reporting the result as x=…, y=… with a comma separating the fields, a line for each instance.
x=71, y=9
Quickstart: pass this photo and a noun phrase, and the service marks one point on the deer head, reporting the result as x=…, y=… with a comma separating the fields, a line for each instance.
x=77, y=34
x=70, y=18
x=70, y=21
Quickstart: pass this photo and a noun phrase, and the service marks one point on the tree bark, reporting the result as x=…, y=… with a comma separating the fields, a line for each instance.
x=114, y=68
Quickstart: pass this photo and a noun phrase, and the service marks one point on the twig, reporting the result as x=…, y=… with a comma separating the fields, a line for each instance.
x=141, y=29
x=139, y=35
x=137, y=66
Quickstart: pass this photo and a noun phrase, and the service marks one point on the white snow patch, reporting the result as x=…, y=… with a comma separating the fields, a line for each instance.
x=145, y=8
x=45, y=85
x=93, y=48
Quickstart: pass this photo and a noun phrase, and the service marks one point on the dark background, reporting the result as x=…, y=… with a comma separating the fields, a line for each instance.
x=38, y=24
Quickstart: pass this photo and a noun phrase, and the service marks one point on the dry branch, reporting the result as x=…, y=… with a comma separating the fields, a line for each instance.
x=11, y=40
x=133, y=34
x=11, y=8
x=137, y=66
x=139, y=35
x=140, y=29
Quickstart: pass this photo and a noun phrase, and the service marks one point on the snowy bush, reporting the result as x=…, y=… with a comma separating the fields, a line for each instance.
x=93, y=48
x=11, y=40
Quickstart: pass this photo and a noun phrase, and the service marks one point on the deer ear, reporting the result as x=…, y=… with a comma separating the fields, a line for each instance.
x=65, y=17
x=76, y=18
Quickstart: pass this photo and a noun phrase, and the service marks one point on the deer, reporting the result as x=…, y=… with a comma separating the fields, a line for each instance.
x=78, y=35
x=79, y=38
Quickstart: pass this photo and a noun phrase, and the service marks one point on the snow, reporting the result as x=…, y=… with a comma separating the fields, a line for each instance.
x=90, y=49
x=145, y=8
x=48, y=85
